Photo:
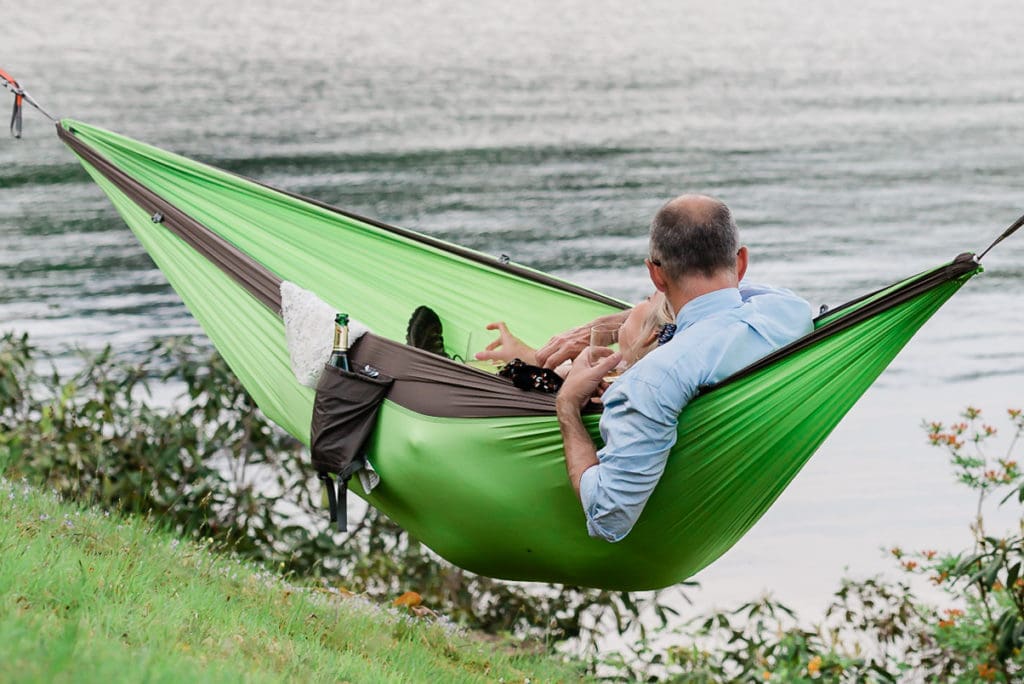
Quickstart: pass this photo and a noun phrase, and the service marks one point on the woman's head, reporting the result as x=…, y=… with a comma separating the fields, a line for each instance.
x=639, y=333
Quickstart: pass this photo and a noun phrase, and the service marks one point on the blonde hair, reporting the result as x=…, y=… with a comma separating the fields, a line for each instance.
x=658, y=315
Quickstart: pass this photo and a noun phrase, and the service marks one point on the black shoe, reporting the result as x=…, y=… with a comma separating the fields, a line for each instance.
x=424, y=331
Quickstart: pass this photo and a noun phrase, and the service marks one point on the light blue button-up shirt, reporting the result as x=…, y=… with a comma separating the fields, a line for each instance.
x=717, y=334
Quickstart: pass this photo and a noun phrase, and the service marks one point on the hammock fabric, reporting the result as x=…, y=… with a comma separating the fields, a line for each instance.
x=468, y=464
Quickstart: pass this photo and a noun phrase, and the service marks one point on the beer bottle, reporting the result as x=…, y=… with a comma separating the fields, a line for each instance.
x=339, y=355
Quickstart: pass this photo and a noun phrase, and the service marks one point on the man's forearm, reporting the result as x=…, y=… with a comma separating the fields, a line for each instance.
x=580, y=453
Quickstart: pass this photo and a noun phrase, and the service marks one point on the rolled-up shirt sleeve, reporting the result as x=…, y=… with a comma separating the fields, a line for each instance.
x=615, y=491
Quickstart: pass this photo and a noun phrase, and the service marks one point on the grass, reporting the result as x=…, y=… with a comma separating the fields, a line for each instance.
x=87, y=596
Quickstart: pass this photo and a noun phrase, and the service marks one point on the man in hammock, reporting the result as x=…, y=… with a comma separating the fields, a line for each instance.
x=696, y=260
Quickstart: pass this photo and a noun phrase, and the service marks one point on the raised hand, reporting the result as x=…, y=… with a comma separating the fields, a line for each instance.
x=506, y=347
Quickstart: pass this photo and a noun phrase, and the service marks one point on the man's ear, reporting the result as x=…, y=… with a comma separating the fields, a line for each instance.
x=657, y=277
x=742, y=258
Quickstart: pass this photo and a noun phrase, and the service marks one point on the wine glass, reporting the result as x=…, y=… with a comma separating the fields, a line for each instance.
x=602, y=339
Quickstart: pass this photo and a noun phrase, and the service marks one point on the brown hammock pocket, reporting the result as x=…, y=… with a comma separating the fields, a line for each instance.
x=344, y=415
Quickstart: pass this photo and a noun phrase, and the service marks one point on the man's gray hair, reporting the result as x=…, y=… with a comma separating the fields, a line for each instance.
x=687, y=240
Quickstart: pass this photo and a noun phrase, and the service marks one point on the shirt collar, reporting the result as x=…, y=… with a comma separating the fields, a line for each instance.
x=708, y=304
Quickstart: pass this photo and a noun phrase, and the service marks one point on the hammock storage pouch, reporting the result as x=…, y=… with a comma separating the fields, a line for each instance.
x=344, y=415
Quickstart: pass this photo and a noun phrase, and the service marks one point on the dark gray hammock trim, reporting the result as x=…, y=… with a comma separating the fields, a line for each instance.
x=962, y=265
x=249, y=273
x=434, y=386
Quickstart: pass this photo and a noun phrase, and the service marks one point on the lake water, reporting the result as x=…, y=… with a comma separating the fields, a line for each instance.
x=856, y=143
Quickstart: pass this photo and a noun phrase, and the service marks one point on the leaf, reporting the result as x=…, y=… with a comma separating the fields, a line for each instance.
x=408, y=599
x=983, y=573
x=422, y=611
x=1006, y=634
x=987, y=575
x=963, y=566
x=1012, y=575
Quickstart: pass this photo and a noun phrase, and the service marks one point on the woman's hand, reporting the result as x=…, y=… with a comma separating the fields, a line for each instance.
x=507, y=347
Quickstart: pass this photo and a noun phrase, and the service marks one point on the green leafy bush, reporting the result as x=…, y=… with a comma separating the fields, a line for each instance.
x=96, y=436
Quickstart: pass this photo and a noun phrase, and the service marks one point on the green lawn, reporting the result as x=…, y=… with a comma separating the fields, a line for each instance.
x=91, y=597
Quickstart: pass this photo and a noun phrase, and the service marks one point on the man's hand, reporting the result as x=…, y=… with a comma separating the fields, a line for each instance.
x=569, y=344
x=584, y=381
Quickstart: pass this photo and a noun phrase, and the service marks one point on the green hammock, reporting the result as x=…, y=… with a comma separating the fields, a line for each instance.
x=469, y=465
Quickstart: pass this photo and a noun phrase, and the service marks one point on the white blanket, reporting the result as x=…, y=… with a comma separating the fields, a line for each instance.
x=309, y=331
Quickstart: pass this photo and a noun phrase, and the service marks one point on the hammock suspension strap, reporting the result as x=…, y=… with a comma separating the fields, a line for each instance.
x=337, y=492
x=1006, y=233
x=20, y=98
